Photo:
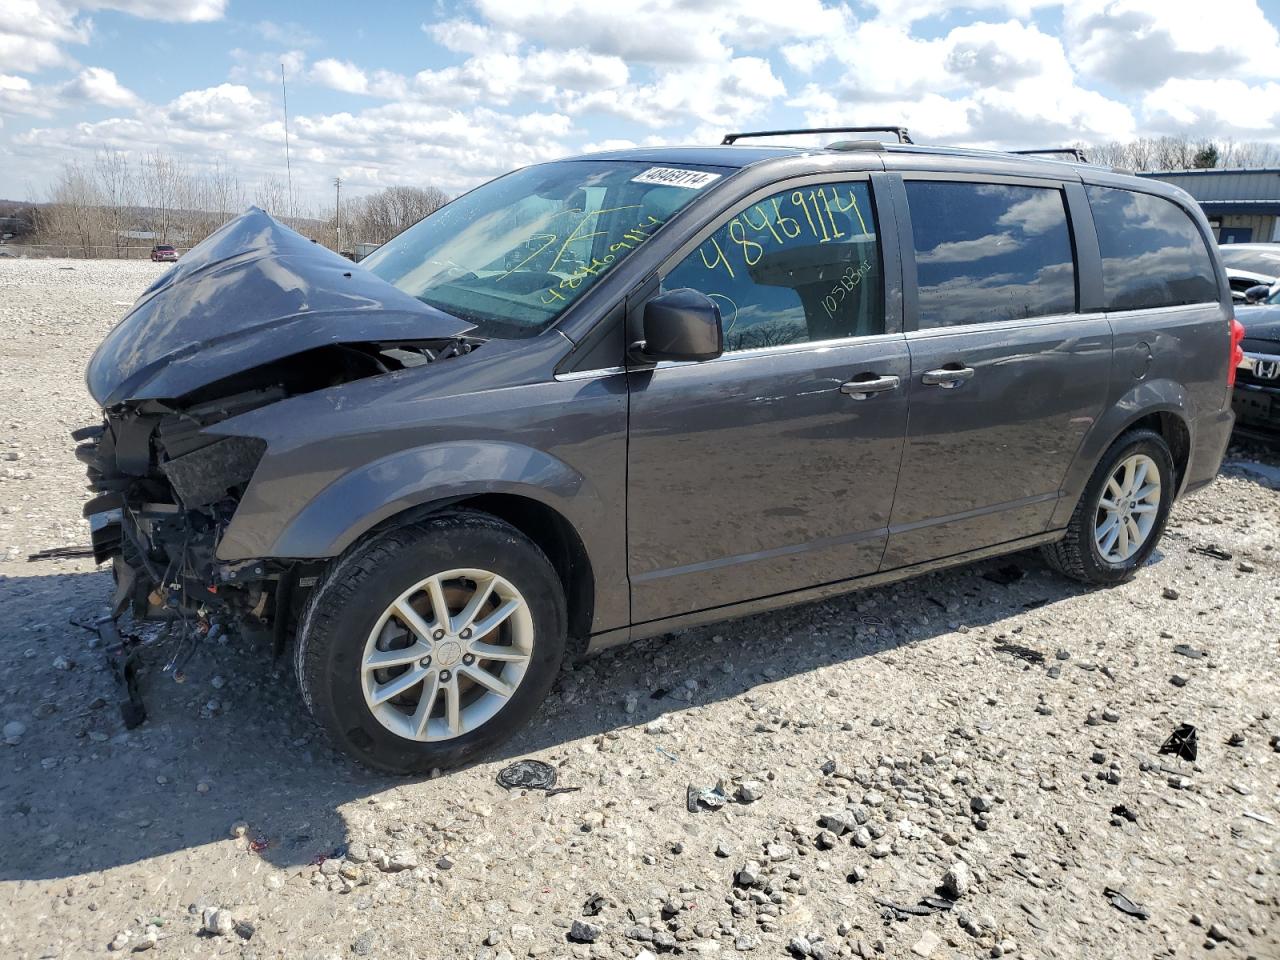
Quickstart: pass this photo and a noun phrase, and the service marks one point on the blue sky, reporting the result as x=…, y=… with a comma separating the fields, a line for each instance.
x=451, y=93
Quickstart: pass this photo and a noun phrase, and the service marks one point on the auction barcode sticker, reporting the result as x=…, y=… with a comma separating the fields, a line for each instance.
x=671, y=177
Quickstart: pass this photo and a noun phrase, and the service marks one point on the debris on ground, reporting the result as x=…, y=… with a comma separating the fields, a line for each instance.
x=927, y=906
x=712, y=798
x=527, y=775
x=1122, y=903
x=1182, y=743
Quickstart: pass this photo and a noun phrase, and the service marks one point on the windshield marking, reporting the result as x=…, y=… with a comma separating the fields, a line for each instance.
x=599, y=264
x=573, y=235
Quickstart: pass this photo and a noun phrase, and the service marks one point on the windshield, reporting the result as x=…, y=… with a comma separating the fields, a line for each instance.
x=1265, y=263
x=512, y=255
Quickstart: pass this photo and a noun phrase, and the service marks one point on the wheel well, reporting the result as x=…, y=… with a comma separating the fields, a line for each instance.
x=556, y=537
x=1175, y=433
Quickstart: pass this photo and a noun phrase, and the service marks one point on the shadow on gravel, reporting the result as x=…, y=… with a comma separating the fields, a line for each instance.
x=80, y=794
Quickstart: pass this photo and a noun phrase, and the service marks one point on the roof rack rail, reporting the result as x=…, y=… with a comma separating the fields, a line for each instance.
x=1075, y=153
x=903, y=136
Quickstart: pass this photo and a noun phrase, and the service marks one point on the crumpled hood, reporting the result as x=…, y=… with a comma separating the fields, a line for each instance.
x=253, y=292
x=1261, y=322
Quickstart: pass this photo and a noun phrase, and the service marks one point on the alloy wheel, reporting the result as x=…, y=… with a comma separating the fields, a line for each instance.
x=447, y=654
x=1127, y=508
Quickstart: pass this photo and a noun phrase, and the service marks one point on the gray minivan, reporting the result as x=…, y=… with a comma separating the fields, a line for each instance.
x=607, y=397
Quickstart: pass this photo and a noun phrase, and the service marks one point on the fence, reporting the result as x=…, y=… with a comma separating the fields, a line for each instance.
x=75, y=251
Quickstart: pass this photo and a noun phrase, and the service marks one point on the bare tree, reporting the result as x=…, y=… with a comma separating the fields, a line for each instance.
x=118, y=191
x=165, y=184
x=382, y=215
x=1182, y=153
x=218, y=197
x=74, y=214
x=272, y=196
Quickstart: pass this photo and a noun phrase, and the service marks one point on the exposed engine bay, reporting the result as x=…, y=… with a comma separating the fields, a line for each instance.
x=166, y=490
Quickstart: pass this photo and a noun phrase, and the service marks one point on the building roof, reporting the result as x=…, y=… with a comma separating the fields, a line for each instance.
x=1206, y=171
x=1219, y=187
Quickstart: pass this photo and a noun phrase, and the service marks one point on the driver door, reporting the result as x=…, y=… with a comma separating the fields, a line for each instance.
x=773, y=467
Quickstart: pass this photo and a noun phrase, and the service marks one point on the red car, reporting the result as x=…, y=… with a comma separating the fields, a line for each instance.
x=164, y=253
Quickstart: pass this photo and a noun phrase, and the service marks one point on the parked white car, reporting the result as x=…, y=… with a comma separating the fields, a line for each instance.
x=1250, y=265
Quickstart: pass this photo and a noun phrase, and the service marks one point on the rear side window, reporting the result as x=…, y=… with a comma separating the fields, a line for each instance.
x=987, y=252
x=1152, y=253
x=800, y=266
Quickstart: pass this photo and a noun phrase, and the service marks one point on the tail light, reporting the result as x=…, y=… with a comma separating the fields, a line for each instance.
x=1237, y=352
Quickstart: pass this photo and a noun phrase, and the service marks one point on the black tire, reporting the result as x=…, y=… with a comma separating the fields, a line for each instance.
x=358, y=586
x=1077, y=555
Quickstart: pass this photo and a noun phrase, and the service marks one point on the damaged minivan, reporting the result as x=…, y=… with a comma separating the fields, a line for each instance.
x=609, y=397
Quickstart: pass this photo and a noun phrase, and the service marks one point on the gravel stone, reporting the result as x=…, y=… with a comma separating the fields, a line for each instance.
x=957, y=880
x=218, y=922
x=583, y=931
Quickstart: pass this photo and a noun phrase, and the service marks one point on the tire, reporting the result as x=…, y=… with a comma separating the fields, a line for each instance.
x=1078, y=554
x=350, y=619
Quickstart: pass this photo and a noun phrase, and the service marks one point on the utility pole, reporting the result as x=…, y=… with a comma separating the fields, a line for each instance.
x=337, y=214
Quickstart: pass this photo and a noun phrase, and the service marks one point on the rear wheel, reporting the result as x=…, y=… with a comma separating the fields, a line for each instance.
x=432, y=643
x=1122, y=513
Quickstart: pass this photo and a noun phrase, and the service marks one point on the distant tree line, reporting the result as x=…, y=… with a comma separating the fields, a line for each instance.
x=118, y=207
x=378, y=217
x=1182, y=153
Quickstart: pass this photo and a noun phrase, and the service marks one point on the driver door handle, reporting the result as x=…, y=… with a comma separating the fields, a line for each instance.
x=866, y=389
x=948, y=377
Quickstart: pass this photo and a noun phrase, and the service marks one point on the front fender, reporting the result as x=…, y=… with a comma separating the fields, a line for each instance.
x=359, y=500
x=1141, y=400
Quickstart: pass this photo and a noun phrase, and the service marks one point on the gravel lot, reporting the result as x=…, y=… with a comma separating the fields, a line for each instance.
x=994, y=723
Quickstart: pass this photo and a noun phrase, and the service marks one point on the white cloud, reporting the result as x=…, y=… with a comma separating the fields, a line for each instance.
x=17, y=95
x=178, y=11
x=1002, y=55
x=466, y=36
x=32, y=35
x=224, y=107
x=662, y=31
x=1230, y=108
x=714, y=94
x=1138, y=44
x=287, y=34
x=340, y=75
x=252, y=67
x=997, y=84
x=28, y=54
x=99, y=86
x=501, y=78
x=910, y=11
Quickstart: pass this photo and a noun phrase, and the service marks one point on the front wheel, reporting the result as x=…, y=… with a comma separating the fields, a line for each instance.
x=430, y=644
x=1121, y=515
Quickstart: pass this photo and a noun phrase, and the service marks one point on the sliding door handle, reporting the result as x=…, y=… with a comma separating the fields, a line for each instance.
x=866, y=389
x=948, y=377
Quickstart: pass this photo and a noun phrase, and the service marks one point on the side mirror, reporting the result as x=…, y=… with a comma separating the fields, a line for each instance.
x=680, y=325
x=1256, y=294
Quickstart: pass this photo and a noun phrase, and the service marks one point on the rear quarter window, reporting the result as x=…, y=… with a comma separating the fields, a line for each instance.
x=1153, y=255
